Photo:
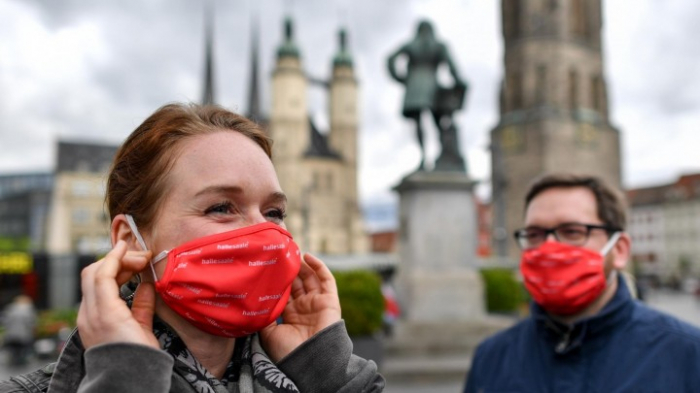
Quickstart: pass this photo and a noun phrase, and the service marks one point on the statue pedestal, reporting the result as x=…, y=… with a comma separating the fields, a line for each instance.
x=438, y=285
x=437, y=279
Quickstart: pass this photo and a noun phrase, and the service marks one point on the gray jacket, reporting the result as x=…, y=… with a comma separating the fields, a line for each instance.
x=324, y=363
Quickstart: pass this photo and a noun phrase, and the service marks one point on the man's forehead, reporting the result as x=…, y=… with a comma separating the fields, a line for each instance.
x=560, y=205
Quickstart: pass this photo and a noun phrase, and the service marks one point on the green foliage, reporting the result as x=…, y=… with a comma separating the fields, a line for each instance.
x=51, y=321
x=361, y=301
x=14, y=244
x=684, y=264
x=504, y=293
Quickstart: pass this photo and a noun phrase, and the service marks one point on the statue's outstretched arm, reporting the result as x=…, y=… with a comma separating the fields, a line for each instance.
x=391, y=65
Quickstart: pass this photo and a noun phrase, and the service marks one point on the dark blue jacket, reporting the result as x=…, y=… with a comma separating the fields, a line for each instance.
x=627, y=347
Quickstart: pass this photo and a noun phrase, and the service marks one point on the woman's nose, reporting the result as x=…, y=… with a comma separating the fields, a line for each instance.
x=256, y=217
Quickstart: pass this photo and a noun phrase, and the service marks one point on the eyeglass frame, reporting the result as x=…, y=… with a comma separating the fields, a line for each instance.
x=552, y=231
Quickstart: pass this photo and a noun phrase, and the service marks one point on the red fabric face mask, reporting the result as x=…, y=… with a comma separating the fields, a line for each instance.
x=229, y=284
x=565, y=279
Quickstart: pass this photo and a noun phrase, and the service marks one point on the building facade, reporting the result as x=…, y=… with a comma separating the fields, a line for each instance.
x=78, y=222
x=553, y=105
x=24, y=204
x=664, y=224
x=317, y=170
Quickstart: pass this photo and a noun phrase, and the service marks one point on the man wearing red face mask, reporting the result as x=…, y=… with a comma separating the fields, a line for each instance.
x=585, y=332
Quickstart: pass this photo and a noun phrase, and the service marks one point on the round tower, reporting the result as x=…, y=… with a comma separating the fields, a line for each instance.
x=553, y=105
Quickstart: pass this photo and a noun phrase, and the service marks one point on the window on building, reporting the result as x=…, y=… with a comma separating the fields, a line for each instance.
x=511, y=18
x=82, y=166
x=579, y=18
x=81, y=188
x=541, y=93
x=596, y=102
x=81, y=215
x=514, y=87
x=573, y=89
x=316, y=181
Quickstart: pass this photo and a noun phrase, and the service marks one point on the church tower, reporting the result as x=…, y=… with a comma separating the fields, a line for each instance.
x=208, y=95
x=317, y=170
x=289, y=129
x=553, y=105
x=343, y=136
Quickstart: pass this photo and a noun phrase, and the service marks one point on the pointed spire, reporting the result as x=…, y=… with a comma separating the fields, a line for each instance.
x=208, y=91
x=342, y=57
x=288, y=48
x=254, y=111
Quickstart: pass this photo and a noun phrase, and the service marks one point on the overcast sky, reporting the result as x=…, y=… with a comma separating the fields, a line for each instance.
x=95, y=69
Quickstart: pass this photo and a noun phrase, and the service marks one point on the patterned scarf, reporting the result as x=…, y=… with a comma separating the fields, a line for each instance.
x=249, y=371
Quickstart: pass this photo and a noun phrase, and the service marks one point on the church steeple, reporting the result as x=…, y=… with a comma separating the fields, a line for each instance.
x=208, y=90
x=342, y=57
x=288, y=47
x=254, y=110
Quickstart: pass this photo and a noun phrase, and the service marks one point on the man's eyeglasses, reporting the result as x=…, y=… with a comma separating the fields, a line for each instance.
x=572, y=233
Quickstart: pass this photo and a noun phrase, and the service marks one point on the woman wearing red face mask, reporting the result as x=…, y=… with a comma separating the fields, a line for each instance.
x=198, y=216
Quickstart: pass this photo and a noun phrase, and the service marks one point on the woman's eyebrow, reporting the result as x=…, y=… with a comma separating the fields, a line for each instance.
x=220, y=190
x=277, y=197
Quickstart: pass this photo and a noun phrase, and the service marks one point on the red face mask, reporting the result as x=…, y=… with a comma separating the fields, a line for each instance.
x=565, y=279
x=229, y=284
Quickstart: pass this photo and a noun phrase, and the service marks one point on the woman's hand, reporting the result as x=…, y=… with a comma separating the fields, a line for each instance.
x=103, y=316
x=313, y=306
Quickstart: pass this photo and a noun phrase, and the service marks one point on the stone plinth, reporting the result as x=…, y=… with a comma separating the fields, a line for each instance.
x=437, y=280
x=444, y=296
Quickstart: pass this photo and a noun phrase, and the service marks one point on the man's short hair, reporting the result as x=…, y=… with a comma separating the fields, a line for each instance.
x=610, y=203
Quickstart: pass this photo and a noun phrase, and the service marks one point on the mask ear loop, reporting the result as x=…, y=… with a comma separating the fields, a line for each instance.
x=142, y=243
x=606, y=249
x=611, y=243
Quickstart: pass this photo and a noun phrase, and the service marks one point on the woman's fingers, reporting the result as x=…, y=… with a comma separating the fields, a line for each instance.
x=308, y=279
x=325, y=277
x=89, y=281
x=298, y=283
x=132, y=263
x=314, y=277
x=144, y=305
x=103, y=316
x=106, y=287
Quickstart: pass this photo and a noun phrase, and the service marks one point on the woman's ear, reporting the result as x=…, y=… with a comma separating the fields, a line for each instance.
x=121, y=230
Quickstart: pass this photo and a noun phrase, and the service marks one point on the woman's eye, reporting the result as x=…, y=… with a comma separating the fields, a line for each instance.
x=219, y=208
x=277, y=215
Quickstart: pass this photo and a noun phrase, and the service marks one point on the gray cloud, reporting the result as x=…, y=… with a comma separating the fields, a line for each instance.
x=96, y=69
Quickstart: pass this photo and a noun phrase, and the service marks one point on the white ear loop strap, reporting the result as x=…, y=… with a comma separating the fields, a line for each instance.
x=135, y=231
x=606, y=249
x=611, y=243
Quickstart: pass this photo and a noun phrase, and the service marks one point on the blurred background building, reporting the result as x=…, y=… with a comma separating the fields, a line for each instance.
x=77, y=220
x=664, y=224
x=553, y=105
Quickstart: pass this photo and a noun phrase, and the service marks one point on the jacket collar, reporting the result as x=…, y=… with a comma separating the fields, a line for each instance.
x=569, y=337
x=69, y=369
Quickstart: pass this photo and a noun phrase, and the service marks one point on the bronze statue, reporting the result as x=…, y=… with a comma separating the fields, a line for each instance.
x=423, y=92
